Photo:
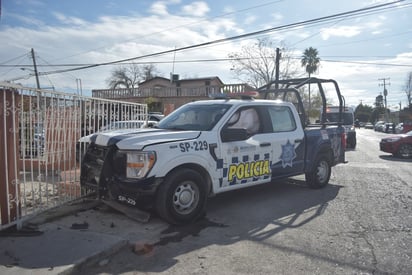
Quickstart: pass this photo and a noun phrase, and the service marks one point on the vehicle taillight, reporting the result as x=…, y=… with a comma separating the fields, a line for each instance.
x=343, y=140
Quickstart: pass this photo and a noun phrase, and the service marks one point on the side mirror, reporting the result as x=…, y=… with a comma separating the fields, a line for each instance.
x=234, y=134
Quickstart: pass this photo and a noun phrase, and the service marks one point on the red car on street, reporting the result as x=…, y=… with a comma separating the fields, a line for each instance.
x=398, y=145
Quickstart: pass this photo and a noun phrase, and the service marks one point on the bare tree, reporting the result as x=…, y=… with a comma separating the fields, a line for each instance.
x=255, y=64
x=408, y=88
x=130, y=76
x=149, y=71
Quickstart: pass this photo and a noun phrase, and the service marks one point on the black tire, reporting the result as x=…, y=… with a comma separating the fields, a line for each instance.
x=404, y=151
x=320, y=174
x=181, y=198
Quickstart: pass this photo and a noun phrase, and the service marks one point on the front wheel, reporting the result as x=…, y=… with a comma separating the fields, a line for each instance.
x=181, y=198
x=320, y=174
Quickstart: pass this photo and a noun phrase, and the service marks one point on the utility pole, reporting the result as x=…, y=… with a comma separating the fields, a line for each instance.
x=385, y=93
x=79, y=86
x=277, y=61
x=36, y=74
x=39, y=96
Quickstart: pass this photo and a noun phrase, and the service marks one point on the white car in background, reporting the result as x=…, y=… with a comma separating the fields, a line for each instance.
x=156, y=116
x=379, y=126
x=399, y=128
x=129, y=124
x=125, y=126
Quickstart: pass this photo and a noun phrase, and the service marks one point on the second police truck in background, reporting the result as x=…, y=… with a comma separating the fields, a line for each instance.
x=208, y=147
x=348, y=121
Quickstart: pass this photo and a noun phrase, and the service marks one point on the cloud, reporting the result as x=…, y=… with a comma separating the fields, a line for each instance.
x=174, y=23
x=277, y=16
x=112, y=38
x=159, y=8
x=30, y=2
x=228, y=9
x=197, y=9
x=69, y=20
x=342, y=31
x=27, y=20
x=250, y=19
x=376, y=24
x=359, y=80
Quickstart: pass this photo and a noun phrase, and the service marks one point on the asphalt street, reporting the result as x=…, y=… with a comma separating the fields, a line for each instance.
x=359, y=224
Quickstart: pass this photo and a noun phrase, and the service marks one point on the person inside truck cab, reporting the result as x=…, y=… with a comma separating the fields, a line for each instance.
x=245, y=118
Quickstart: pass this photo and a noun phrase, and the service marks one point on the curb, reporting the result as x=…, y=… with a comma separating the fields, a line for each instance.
x=79, y=265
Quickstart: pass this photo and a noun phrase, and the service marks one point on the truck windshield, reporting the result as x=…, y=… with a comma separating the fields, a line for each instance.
x=194, y=117
x=334, y=117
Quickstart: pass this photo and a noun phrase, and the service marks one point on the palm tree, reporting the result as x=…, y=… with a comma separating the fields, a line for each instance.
x=310, y=61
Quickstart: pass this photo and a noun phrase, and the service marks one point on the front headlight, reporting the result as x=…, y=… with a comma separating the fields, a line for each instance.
x=138, y=164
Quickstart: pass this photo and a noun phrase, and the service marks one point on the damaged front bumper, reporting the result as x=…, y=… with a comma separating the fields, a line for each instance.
x=100, y=172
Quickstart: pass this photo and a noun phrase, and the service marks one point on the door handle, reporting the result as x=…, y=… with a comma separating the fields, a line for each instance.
x=265, y=144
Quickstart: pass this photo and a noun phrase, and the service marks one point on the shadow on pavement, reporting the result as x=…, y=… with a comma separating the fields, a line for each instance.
x=254, y=214
x=394, y=158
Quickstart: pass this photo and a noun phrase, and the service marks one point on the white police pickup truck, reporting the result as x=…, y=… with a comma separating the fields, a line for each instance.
x=208, y=147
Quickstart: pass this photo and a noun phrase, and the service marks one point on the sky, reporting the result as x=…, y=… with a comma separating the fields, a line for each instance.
x=358, y=51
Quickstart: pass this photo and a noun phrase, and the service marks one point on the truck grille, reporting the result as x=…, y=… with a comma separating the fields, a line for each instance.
x=93, y=166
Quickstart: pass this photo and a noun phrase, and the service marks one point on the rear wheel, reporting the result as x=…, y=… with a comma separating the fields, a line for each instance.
x=181, y=198
x=404, y=151
x=320, y=174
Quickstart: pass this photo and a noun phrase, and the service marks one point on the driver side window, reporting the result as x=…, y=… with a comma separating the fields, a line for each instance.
x=246, y=118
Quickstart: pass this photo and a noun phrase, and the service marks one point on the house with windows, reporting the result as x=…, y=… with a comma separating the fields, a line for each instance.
x=165, y=95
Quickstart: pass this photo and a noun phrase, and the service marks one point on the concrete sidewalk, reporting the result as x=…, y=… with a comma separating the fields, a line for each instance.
x=62, y=240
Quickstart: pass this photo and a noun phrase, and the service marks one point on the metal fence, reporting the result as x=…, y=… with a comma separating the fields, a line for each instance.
x=40, y=156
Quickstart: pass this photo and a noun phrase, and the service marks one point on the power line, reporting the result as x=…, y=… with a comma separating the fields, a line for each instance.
x=223, y=60
x=288, y=26
x=194, y=61
x=184, y=25
x=15, y=58
x=367, y=40
x=21, y=57
x=4, y=65
x=343, y=19
x=348, y=14
x=369, y=63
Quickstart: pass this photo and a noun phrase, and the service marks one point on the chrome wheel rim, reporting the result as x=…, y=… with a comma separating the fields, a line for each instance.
x=186, y=197
x=322, y=172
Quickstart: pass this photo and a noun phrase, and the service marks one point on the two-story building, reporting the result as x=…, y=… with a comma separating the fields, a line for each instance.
x=165, y=95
